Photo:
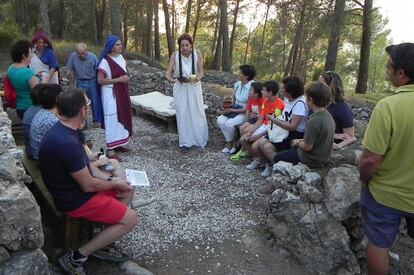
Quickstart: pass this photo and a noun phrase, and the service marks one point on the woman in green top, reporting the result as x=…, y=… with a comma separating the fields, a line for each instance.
x=21, y=77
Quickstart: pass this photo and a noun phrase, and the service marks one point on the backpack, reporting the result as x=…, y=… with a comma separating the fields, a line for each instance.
x=9, y=92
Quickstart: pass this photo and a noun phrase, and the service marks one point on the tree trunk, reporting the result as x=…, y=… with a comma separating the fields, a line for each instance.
x=157, y=51
x=45, y=18
x=263, y=33
x=148, y=38
x=187, y=22
x=233, y=31
x=60, y=25
x=21, y=9
x=197, y=18
x=125, y=10
x=361, y=87
x=216, y=30
x=218, y=52
x=116, y=18
x=170, y=41
x=92, y=23
x=100, y=19
x=334, y=36
x=174, y=20
x=224, y=28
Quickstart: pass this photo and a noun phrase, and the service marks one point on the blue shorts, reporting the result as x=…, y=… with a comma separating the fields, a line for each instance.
x=380, y=223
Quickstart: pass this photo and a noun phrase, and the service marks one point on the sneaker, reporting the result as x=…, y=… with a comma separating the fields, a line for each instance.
x=232, y=150
x=254, y=164
x=225, y=150
x=267, y=171
x=142, y=202
x=71, y=266
x=185, y=149
x=239, y=155
x=109, y=253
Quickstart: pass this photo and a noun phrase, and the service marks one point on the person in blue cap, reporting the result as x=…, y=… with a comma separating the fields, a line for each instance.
x=113, y=80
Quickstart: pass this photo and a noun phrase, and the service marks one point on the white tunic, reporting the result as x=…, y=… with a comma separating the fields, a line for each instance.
x=189, y=106
x=115, y=133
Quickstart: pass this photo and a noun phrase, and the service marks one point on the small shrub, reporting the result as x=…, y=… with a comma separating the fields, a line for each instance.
x=8, y=33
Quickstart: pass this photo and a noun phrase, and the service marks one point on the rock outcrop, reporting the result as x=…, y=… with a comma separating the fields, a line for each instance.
x=21, y=234
x=318, y=219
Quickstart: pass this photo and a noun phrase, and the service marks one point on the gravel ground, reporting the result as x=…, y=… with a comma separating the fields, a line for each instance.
x=200, y=195
x=204, y=202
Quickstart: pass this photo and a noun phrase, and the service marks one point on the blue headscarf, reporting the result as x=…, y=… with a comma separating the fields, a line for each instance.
x=110, y=42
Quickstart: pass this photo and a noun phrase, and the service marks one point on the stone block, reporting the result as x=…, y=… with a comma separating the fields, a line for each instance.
x=20, y=220
x=32, y=262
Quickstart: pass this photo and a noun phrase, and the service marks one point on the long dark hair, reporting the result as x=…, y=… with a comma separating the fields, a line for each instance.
x=185, y=36
x=334, y=81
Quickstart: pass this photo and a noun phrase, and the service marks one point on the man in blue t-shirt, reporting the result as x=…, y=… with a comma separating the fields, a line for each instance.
x=82, y=65
x=66, y=172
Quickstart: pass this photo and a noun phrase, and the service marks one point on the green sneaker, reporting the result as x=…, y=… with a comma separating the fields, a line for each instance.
x=239, y=155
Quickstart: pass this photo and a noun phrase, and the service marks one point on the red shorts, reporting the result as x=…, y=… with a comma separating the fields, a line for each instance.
x=101, y=208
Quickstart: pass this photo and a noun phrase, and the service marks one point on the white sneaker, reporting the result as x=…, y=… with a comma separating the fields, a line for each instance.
x=254, y=164
x=139, y=202
x=267, y=171
x=233, y=150
x=225, y=150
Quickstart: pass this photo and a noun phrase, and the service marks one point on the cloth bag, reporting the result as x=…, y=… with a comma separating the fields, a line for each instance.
x=9, y=92
x=276, y=133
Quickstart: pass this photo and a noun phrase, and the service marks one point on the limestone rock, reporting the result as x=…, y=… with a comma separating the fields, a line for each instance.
x=7, y=167
x=6, y=138
x=342, y=190
x=280, y=181
x=27, y=263
x=4, y=120
x=282, y=167
x=309, y=192
x=132, y=268
x=20, y=220
x=311, y=234
x=295, y=172
x=4, y=255
x=312, y=178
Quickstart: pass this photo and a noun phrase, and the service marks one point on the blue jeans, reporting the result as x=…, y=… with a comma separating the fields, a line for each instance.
x=92, y=92
x=290, y=155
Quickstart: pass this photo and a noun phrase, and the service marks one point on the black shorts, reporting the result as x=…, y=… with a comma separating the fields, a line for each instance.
x=285, y=144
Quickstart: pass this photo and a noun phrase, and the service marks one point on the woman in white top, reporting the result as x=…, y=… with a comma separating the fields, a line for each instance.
x=295, y=116
x=235, y=116
x=185, y=69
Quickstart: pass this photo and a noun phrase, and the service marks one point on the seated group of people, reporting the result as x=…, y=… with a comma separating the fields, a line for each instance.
x=305, y=126
x=84, y=184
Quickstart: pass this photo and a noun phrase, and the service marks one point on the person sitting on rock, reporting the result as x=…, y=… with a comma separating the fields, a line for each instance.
x=256, y=131
x=28, y=118
x=295, y=116
x=235, y=115
x=66, y=171
x=253, y=107
x=316, y=146
x=340, y=111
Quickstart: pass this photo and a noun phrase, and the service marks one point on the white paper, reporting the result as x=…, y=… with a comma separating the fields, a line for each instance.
x=137, y=178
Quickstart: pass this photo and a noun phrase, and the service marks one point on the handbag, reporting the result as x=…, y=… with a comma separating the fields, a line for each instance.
x=276, y=133
x=9, y=92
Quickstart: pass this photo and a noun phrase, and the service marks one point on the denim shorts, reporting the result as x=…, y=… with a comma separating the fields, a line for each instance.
x=380, y=223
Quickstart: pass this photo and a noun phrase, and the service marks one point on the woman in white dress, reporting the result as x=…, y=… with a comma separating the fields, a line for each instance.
x=113, y=81
x=44, y=62
x=185, y=68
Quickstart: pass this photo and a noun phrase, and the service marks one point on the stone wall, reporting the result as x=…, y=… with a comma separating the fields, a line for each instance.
x=21, y=234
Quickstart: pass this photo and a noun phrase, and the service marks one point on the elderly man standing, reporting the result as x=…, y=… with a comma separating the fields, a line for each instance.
x=386, y=165
x=82, y=65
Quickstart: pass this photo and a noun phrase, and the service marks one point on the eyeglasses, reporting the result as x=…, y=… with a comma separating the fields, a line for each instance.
x=88, y=102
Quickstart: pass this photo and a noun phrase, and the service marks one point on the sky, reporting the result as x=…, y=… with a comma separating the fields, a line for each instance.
x=400, y=16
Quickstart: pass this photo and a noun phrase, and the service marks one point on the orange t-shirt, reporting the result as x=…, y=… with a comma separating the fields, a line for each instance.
x=254, y=105
x=268, y=108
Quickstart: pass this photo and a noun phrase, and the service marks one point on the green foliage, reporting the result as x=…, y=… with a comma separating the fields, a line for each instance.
x=8, y=33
